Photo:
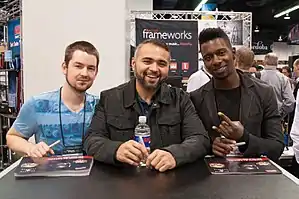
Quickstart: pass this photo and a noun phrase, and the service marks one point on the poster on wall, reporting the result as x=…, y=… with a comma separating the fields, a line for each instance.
x=234, y=30
x=181, y=38
x=14, y=42
x=14, y=36
x=293, y=36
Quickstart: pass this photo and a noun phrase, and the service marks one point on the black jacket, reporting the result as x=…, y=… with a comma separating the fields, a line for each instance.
x=259, y=116
x=175, y=126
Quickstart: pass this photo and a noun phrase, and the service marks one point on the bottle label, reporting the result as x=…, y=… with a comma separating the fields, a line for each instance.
x=144, y=140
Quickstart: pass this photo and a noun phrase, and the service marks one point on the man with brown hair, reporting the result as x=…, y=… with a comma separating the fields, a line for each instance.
x=177, y=134
x=63, y=114
x=244, y=58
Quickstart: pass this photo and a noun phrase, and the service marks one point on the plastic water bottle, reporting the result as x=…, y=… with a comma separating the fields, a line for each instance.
x=143, y=134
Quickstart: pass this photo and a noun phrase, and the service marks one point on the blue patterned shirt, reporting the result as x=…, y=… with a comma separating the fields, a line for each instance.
x=39, y=116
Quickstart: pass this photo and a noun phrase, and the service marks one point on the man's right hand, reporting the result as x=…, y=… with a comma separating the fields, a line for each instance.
x=39, y=150
x=131, y=152
x=222, y=146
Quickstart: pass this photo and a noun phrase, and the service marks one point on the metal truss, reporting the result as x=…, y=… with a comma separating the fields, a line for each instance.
x=11, y=9
x=246, y=17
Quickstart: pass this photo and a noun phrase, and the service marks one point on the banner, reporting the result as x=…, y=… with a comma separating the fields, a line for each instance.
x=293, y=36
x=14, y=42
x=14, y=35
x=234, y=30
x=260, y=47
x=181, y=38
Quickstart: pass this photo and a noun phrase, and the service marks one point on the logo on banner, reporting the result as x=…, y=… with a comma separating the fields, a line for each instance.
x=17, y=31
x=259, y=46
x=156, y=34
x=173, y=66
x=185, y=65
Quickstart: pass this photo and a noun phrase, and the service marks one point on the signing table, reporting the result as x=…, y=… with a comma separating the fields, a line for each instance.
x=189, y=181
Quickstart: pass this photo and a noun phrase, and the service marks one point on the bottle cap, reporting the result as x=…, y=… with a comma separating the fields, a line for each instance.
x=142, y=119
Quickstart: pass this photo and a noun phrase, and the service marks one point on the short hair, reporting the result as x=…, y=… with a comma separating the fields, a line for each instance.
x=209, y=34
x=271, y=59
x=296, y=62
x=287, y=69
x=82, y=46
x=245, y=57
x=154, y=42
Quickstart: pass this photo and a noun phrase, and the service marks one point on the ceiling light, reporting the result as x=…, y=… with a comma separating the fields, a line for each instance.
x=287, y=16
x=199, y=6
x=280, y=38
x=256, y=29
x=286, y=11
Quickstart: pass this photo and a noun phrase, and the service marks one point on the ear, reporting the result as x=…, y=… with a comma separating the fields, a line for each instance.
x=133, y=64
x=64, y=68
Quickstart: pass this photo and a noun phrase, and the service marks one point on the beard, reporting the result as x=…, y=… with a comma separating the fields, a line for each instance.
x=77, y=88
x=147, y=84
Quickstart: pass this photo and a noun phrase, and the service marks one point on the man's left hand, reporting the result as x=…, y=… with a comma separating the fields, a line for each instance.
x=230, y=129
x=161, y=160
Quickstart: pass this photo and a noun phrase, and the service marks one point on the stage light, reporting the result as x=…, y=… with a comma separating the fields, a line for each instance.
x=199, y=6
x=287, y=11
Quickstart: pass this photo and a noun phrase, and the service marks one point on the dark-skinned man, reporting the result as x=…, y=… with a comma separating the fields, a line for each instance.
x=235, y=107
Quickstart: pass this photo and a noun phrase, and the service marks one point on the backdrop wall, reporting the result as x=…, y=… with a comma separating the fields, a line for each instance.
x=49, y=26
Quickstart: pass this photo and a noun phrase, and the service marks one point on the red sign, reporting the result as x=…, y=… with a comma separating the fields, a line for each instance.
x=185, y=65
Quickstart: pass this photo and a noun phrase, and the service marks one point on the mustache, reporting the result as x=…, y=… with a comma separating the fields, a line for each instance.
x=83, y=78
x=152, y=73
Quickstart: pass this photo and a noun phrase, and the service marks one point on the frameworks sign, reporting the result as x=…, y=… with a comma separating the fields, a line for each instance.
x=180, y=36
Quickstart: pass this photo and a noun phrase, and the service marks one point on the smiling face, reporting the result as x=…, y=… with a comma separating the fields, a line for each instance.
x=218, y=58
x=151, y=65
x=81, y=71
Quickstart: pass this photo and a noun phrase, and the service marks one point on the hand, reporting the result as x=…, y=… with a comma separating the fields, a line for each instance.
x=39, y=150
x=131, y=152
x=222, y=146
x=230, y=129
x=161, y=160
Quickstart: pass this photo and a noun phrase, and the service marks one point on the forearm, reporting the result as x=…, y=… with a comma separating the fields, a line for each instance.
x=286, y=108
x=101, y=148
x=190, y=149
x=18, y=144
x=258, y=146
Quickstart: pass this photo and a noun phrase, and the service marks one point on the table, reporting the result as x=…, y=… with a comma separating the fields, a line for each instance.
x=189, y=181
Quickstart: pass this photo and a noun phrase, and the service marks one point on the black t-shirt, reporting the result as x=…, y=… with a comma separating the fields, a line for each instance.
x=228, y=102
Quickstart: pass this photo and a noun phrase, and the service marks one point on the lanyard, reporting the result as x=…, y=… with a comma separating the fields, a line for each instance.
x=60, y=120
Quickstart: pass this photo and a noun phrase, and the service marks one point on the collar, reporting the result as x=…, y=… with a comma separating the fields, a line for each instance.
x=246, y=81
x=162, y=94
x=270, y=67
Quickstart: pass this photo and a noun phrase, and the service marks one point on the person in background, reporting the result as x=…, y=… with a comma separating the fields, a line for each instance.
x=63, y=114
x=260, y=67
x=295, y=138
x=177, y=134
x=288, y=73
x=252, y=69
x=294, y=122
x=296, y=75
x=245, y=60
x=280, y=83
x=234, y=107
x=198, y=79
